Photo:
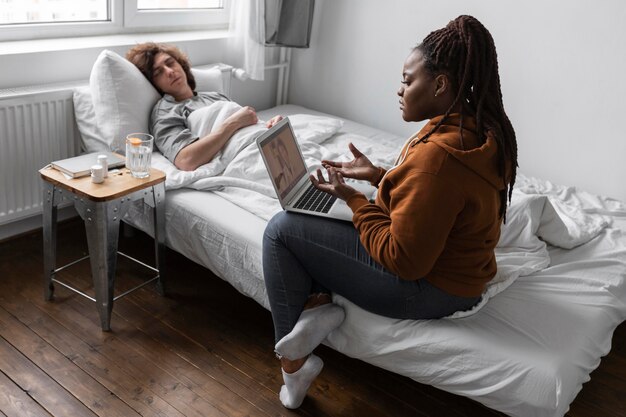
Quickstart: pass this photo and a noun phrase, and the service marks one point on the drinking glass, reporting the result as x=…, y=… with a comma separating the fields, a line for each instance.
x=139, y=154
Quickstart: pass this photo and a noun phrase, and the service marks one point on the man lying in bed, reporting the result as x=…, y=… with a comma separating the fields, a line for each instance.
x=169, y=71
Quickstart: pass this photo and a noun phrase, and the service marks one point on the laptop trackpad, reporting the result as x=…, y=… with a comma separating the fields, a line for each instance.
x=340, y=209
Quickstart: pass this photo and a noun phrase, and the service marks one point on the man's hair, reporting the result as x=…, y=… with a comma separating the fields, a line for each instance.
x=465, y=51
x=143, y=56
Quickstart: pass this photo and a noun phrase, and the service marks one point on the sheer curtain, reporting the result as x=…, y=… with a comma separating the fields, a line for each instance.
x=247, y=37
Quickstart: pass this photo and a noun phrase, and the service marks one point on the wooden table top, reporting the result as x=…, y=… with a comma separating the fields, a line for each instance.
x=117, y=184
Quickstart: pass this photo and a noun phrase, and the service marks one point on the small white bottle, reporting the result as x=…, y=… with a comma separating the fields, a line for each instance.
x=97, y=174
x=102, y=160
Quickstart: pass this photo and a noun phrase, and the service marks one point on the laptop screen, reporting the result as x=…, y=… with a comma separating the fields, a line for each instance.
x=283, y=160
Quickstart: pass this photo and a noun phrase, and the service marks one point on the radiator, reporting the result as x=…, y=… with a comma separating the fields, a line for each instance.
x=37, y=126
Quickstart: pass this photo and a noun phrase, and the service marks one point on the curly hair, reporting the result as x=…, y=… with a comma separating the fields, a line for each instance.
x=465, y=51
x=143, y=55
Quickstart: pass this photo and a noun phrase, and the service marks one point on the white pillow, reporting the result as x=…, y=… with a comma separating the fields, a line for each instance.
x=86, y=122
x=122, y=97
x=208, y=79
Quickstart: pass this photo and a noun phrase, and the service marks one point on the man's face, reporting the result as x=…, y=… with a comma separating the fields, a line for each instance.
x=168, y=75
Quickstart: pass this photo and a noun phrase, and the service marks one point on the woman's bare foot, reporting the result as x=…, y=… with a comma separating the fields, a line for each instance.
x=316, y=300
x=290, y=366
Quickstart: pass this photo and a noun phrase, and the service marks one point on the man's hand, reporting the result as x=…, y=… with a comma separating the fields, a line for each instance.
x=203, y=150
x=273, y=121
x=243, y=117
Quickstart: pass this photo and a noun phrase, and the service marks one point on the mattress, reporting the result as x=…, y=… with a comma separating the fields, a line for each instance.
x=526, y=351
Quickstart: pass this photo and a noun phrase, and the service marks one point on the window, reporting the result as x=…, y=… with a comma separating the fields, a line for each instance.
x=145, y=13
x=15, y=12
x=178, y=4
x=36, y=19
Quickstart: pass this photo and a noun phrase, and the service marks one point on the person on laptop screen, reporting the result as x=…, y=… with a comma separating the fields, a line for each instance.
x=425, y=248
x=169, y=71
x=280, y=157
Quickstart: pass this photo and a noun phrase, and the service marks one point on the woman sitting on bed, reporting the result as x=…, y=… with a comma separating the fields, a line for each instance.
x=425, y=248
x=169, y=71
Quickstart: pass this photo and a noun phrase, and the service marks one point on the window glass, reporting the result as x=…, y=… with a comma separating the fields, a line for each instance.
x=178, y=4
x=39, y=19
x=52, y=11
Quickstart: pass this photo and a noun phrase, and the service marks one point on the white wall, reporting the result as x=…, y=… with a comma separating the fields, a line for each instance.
x=562, y=68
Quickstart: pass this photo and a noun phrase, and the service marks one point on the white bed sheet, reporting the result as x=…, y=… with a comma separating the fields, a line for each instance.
x=526, y=353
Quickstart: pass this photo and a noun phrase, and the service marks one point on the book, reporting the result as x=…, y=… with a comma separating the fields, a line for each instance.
x=80, y=165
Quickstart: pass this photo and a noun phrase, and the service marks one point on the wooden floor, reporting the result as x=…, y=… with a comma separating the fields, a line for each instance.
x=204, y=350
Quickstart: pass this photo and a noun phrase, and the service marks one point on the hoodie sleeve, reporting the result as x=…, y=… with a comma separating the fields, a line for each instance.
x=408, y=240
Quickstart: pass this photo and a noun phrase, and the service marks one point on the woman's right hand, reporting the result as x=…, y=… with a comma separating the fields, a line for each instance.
x=360, y=168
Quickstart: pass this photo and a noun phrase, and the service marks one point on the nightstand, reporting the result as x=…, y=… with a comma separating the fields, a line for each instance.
x=101, y=206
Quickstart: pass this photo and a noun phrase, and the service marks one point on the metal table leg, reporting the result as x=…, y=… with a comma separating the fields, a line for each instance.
x=49, y=238
x=102, y=227
x=159, y=233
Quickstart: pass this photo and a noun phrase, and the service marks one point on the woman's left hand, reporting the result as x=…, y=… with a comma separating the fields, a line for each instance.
x=335, y=185
x=273, y=121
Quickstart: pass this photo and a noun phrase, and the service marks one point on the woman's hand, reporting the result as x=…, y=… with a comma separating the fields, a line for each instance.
x=273, y=121
x=359, y=168
x=335, y=185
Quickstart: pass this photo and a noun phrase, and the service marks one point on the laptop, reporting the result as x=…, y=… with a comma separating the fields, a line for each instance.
x=80, y=165
x=290, y=176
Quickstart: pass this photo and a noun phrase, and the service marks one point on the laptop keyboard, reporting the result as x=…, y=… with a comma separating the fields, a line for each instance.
x=315, y=200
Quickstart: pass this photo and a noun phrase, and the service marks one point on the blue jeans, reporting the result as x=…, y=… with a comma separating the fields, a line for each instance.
x=304, y=254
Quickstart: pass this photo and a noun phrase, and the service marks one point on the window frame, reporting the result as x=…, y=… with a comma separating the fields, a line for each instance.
x=125, y=18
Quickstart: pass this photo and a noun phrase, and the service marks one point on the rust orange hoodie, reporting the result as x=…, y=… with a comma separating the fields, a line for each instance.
x=436, y=212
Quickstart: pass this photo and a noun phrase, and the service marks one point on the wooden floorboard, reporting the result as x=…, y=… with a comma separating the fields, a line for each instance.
x=59, y=367
x=203, y=350
x=56, y=324
x=39, y=386
x=14, y=402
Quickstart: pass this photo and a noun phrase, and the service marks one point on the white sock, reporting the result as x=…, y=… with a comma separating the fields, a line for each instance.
x=311, y=329
x=297, y=384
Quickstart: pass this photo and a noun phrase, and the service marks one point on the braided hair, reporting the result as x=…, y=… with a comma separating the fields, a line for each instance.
x=464, y=50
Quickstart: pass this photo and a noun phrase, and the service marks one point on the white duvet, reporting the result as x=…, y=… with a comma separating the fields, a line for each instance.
x=238, y=173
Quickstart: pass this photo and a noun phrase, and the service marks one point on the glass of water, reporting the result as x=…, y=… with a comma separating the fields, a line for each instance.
x=139, y=154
